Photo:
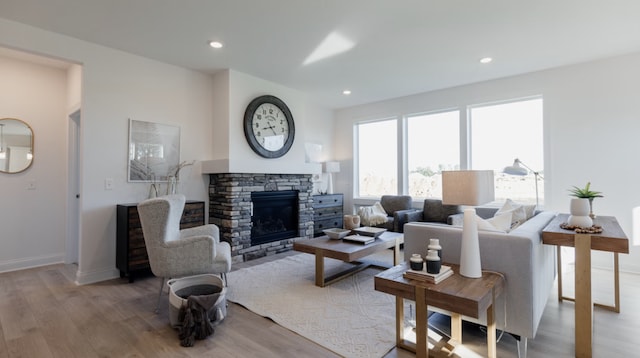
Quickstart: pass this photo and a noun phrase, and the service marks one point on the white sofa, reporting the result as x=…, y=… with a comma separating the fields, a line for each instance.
x=528, y=266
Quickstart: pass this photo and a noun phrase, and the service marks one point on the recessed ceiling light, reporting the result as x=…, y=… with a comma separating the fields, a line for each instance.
x=215, y=44
x=486, y=60
x=346, y=92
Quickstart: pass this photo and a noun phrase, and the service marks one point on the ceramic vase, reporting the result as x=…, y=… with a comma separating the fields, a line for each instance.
x=434, y=244
x=351, y=222
x=433, y=262
x=416, y=262
x=579, y=210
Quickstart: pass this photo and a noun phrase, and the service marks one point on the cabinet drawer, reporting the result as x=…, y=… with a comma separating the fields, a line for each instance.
x=320, y=225
x=320, y=201
x=325, y=213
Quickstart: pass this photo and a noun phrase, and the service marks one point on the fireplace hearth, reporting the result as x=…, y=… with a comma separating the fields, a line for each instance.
x=231, y=207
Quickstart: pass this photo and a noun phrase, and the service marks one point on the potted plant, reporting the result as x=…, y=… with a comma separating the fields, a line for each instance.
x=586, y=193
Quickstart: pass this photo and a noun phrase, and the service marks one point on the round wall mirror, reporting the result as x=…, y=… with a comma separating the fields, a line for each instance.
x=16, y=145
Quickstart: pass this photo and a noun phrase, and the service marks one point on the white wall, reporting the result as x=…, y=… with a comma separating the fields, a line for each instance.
x=32, y=222
x=592, y=122
x=312, y=123
x=117, y=86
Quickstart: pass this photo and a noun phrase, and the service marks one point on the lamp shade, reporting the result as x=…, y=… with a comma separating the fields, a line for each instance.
x=515, y=169
x=467, y=187
x=331, y=167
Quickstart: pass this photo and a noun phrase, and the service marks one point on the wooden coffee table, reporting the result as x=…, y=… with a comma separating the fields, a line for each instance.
x=350, y=252
x=459, y=295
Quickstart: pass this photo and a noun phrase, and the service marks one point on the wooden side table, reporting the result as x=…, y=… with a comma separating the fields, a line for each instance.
x=456, y=294
x=612, y=239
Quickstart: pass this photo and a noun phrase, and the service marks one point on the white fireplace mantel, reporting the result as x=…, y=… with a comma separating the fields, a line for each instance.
x=224, y=166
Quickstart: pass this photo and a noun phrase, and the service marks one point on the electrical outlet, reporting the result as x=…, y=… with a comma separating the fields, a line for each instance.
x=108, y=184
x=31, y=185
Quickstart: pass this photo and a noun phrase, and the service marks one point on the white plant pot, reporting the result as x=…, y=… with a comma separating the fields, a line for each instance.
x=579, y=209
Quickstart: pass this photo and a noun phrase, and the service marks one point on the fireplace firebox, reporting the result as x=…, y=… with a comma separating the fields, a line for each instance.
x=274, y=216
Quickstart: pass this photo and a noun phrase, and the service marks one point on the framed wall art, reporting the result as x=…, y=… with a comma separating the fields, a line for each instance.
x=154, y=149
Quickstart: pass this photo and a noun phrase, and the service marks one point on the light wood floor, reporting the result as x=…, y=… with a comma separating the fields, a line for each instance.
x=44, y=314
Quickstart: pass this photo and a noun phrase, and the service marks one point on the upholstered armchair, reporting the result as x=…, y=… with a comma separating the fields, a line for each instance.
x=432, y=211
x=396, y=206
x=173, y=252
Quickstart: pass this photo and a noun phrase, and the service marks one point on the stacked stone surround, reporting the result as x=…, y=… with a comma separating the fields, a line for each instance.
x=230, y=209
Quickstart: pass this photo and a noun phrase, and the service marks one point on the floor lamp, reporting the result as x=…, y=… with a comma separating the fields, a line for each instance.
x=517, y=169
x=468, y=187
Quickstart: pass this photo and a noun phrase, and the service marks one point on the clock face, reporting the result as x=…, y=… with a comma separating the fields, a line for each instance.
x=268, y=126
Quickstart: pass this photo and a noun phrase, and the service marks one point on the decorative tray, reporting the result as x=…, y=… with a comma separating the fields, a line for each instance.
x=369, y=231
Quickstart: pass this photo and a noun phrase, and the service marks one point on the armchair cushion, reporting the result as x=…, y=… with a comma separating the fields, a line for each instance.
x=393, y=203
x=433, y=211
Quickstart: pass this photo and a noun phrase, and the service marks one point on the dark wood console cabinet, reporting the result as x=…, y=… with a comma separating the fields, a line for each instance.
x=327, y=212
x=131, y=252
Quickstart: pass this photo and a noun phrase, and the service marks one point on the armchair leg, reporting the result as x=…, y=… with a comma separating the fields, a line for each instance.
x=160, y=295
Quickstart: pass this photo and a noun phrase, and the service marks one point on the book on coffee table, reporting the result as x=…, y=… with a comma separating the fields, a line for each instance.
x=360, y=239
x=445, y=271
x=369, y=231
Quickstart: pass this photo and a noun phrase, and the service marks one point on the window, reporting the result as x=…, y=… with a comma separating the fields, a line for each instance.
x=377, y=153
x=502, y=132
x=433, y=145
x=488, y=136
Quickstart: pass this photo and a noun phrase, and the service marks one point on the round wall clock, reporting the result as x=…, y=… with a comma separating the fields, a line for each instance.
x=268, y=126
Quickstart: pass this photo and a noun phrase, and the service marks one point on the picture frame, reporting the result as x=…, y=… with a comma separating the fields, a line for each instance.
x=154, y=150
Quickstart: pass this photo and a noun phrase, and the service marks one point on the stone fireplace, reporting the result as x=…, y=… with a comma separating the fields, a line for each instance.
x=231, y=207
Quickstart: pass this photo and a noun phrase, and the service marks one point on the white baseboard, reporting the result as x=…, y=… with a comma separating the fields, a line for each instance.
x=85, y=278
x=31, y=262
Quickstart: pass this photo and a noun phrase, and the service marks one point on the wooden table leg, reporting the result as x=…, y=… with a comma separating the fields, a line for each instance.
x=559, y=259
x=399, y=321
x=319, y=270
x=583, y=300
x=396, y=253
x=616, y=273
x=491, y=329
x=456, y=327
x=422, y=344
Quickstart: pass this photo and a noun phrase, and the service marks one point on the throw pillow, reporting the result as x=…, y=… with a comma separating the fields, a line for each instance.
x=500, y=222
x=518, y=213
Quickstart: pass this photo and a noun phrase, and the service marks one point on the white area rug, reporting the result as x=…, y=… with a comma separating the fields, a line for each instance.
x=347, y=317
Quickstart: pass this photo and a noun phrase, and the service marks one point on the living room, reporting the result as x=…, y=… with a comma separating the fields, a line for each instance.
x=590, y=118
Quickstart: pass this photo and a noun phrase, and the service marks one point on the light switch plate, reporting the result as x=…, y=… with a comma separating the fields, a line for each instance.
x=108, y=184
x=31, y=185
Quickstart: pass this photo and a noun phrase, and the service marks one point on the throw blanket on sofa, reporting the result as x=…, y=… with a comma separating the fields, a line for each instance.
x=372, y=215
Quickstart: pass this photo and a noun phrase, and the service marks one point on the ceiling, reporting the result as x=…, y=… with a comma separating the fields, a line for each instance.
x=390, y=48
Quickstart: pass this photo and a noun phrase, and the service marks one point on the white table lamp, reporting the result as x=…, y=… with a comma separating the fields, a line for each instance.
x=468, y=187
x=330, y=168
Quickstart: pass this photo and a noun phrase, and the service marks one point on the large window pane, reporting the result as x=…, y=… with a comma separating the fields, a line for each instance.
x=502, y=132
x=377, y=158
x=433, y=145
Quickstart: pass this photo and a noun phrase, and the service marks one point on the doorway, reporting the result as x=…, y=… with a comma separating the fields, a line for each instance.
x=73, y=201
